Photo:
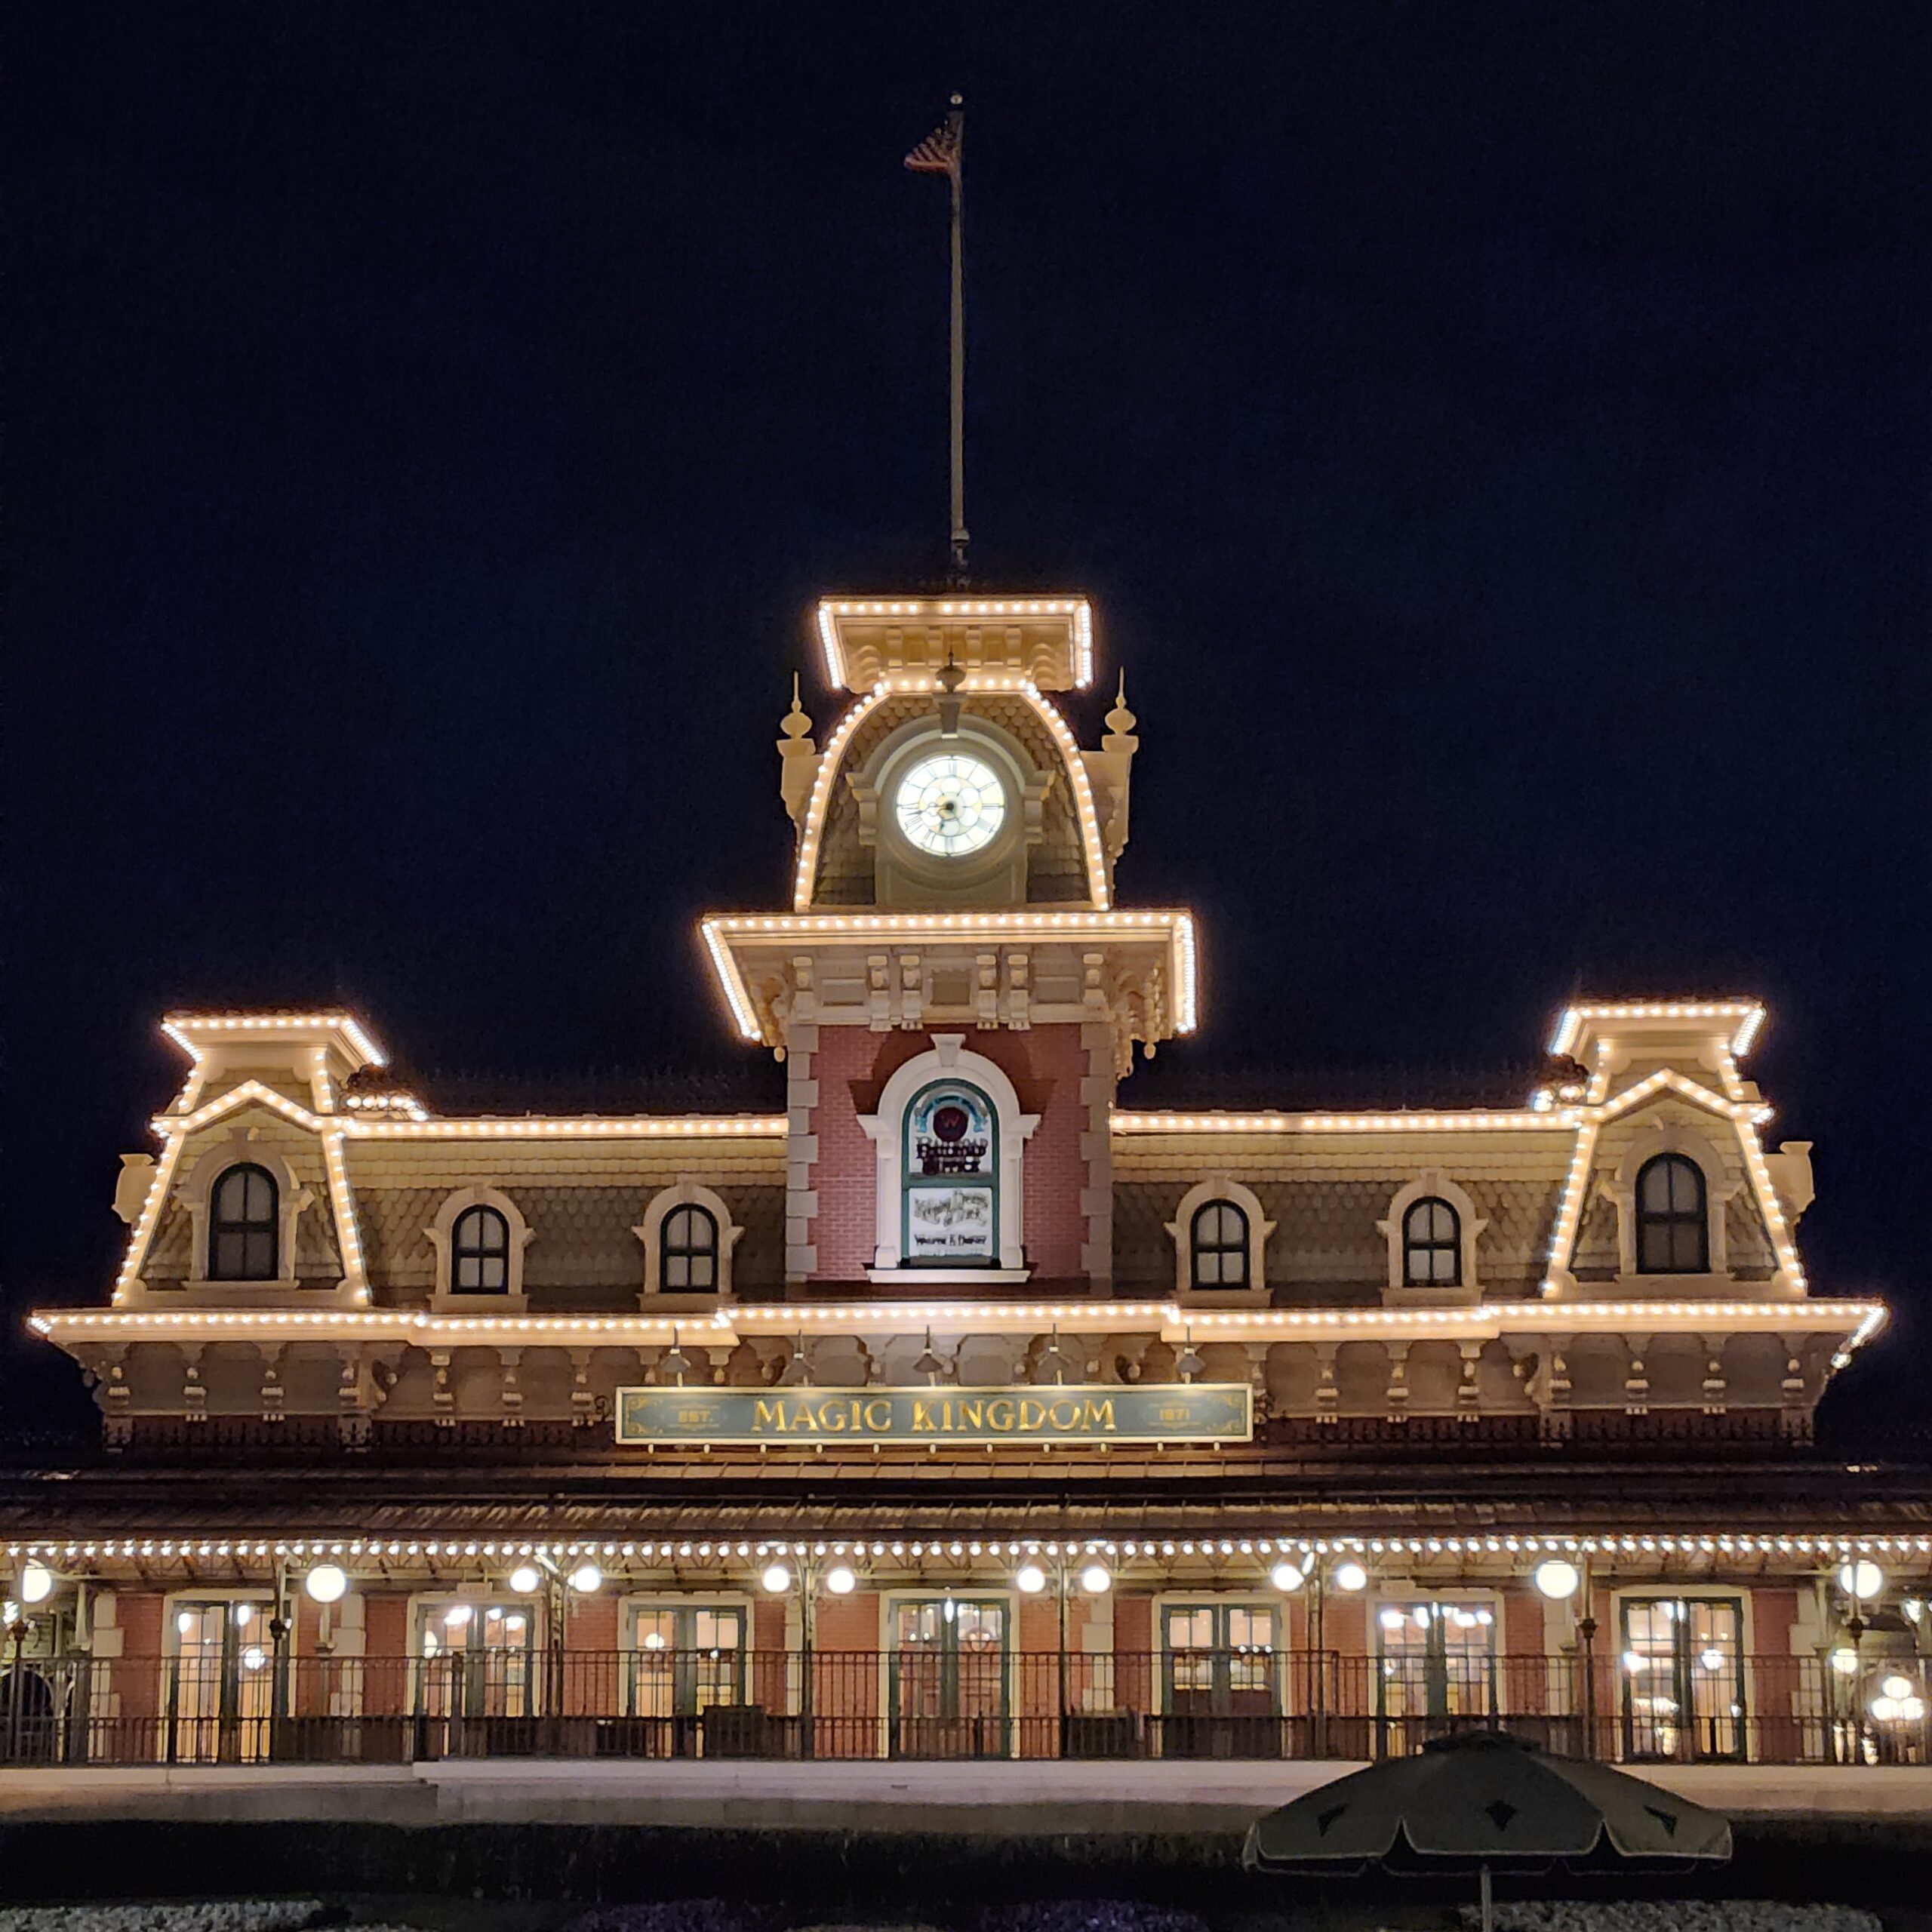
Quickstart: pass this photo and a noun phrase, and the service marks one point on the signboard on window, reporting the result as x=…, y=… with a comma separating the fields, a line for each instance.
x=952, y=1201
x=1047, y=1412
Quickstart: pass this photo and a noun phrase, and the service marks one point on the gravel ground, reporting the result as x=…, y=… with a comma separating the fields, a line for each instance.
x=1675, y=1916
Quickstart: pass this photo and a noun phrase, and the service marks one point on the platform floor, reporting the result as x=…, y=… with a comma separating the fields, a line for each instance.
x=1009, y=1799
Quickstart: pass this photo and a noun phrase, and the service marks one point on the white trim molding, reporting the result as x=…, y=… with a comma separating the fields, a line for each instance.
x=1722, y=1180
x=948, y=1059
x=242, y=1147
x=446, y=1299
x=1180, y=1229
x=685, y=1192
x=1433, y=1184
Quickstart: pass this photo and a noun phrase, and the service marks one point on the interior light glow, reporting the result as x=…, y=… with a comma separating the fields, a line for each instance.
x=457, y=1615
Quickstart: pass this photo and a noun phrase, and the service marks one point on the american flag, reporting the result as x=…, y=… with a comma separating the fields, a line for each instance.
x=938, y=153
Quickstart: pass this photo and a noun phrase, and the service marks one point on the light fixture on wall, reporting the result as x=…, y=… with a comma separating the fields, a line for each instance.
x=1096, y=1579
x=36, y=1582
x=1351, y=1576
x=328, y=1582
x=777, y=1580
x=525, y=1578
x=586, y=1580
x=1863, y=1581
x=841, y=1580
x=1286, y=1577
x=1029, y=1579
x=1555, y=1578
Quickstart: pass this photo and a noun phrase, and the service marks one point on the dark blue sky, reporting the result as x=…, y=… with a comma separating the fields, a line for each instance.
x=1499, y=439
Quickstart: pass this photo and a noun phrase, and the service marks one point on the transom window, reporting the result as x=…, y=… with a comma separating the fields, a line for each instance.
x=687, y=1255
x=1431, y=1245
x=1673, y=1231
x=480, y=1253
x=1218, y=1241
x=952, y=1204
x=243, y=1238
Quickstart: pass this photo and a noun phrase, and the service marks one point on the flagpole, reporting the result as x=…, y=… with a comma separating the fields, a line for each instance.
x=956, y=121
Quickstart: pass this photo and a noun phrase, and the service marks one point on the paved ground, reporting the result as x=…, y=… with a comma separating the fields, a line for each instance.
x=963, y=1797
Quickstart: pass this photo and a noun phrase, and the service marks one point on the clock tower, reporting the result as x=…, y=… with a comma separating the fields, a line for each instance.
x=955, y=992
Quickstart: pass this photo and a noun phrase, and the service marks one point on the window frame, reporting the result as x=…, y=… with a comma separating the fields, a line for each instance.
x=670, y=1250
x=1242, y=1244
x=986, y=1181
x=499, y=1251
x=1412, y=1246
x=1668, y=1221
x=247, y=1229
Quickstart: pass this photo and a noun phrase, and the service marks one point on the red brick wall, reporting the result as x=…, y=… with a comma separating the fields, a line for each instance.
x=1771, y=1694
x=1526, y=1615
x=1133, y=1645
x=1046, y=1065
x=592, y=1685
x=386, y=1646
x=137, y=1676
x=845, y=1675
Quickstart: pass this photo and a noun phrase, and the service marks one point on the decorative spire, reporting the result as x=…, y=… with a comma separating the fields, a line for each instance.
x=1120, y=722
x=797, y=722
x=797, y=758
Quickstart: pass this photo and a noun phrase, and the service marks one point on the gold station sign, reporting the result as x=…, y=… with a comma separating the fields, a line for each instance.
x=1103, y=1412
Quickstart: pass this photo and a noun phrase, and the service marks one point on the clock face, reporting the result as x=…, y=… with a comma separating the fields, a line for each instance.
x=951, y=804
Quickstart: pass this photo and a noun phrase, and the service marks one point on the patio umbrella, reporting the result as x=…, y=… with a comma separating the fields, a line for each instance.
x=1484, y=1801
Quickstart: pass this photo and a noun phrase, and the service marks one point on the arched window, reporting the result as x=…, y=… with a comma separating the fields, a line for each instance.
x=952, y=1184
x=1431, y=1245
x=243, y=1237
x=1673, y=1231
x=1217, y=1241
x=480, y=1253
x=688, y=1252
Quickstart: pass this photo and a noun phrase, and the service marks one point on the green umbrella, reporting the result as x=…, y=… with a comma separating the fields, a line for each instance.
x=1484, y=1801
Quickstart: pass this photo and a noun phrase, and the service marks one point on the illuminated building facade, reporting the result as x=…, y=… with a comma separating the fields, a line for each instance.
x=960, y=1409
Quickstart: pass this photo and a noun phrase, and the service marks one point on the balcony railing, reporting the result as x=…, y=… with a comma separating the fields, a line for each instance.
x=925, y=1703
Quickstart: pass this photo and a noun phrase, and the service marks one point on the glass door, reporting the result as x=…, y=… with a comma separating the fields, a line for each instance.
x=1221, y=1681
x=476, y=1677
x=220, y=1686
x=684, y=1661
x=1436, y=1671
x=948, y=1672
x=1683, y=1677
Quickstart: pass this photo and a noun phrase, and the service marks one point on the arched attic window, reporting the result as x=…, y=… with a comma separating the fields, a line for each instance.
x=243, y=1232
x=480, y=1253
x=1217, y=1246
x=688, y=1252
x=1431, y=1245
x=1673, y=1219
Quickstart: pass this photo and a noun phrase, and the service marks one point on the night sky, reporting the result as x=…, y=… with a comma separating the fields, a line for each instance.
x=1498, y=438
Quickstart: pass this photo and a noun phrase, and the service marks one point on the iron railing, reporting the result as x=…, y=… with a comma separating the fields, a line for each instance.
x=921, y=1702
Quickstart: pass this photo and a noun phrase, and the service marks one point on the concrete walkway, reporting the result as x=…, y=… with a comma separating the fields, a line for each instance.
x=1009, y=1799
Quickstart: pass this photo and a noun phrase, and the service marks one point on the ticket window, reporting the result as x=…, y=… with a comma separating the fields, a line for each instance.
x=476, y=1660
x=1682, y=1672
x=685, y=1658
x=1435, y=1664
x=221, y=1681
x=948, y=1679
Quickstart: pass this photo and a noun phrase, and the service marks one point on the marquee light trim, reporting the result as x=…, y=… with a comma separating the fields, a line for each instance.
x=1825, y=1547
x=1750, y=1014
x=187, y=1029
x=1080, y=609
x=1174, y=927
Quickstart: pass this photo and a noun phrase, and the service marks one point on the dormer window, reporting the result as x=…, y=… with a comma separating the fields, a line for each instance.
x=1673, y=1221
x=1431, y=1245
x=242, y=1231
x=688, y=1252
x=1218, y=1243
x=480, y=1253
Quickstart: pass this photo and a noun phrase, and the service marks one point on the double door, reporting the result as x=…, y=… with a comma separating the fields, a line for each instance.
x=1221, y=1690
x=1682, y=1672
x=220, y=1683
x=949, y=1694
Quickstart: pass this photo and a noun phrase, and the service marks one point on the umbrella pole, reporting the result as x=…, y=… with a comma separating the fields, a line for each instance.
x=1488, y=1902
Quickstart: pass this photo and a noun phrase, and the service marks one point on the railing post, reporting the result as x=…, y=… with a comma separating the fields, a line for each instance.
x=1586, y=1634
x=807, y=1618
